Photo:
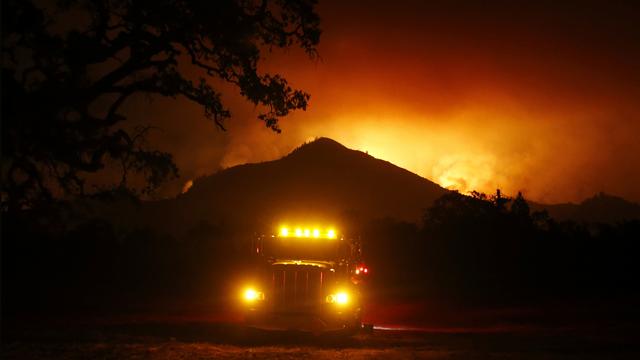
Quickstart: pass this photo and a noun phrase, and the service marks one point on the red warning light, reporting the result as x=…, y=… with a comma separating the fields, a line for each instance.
x=361, y=270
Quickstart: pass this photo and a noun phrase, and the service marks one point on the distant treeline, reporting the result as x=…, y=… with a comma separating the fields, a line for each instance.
x=494, y=250
x=468, y=249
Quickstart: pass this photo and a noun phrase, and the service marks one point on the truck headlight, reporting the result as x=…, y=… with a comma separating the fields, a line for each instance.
x=251, y=295
x=340, y=298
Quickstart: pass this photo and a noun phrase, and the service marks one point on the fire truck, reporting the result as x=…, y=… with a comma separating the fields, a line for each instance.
x=305, y=279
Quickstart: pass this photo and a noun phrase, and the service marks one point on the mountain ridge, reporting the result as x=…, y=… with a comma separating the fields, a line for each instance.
x=601, y=207
x=322, y=176
x=323, y=180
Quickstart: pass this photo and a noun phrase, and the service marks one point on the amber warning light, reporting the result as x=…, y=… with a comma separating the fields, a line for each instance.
x=300, y=232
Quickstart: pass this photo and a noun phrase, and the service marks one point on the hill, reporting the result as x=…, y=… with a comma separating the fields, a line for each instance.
x=602, y=208
x=321, y=180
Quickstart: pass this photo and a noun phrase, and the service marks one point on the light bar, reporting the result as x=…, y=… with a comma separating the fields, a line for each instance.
x=307, y=233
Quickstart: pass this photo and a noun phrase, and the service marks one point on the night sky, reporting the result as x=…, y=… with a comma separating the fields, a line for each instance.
x=539, y=97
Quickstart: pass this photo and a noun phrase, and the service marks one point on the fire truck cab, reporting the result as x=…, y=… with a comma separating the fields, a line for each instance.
x=305, y=279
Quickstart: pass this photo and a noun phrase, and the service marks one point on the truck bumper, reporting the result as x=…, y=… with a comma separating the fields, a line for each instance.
x=306, y=322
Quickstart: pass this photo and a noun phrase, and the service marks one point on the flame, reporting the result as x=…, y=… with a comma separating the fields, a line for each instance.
x=187, y=185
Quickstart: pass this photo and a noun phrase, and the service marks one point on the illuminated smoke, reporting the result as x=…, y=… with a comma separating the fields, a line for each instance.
x=471, y=102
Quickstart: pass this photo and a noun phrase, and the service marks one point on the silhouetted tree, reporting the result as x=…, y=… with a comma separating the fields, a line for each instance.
x=520, y=208
x=69, y=66
x=500, y=200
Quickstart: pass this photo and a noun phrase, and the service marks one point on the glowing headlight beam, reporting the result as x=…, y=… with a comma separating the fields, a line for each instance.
x=251, y=295
x=340, y=298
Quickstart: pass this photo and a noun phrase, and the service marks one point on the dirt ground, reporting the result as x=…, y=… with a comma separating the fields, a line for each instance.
x=223, y=341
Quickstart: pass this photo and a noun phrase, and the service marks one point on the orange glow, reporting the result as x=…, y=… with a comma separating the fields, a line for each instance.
x=552, y=112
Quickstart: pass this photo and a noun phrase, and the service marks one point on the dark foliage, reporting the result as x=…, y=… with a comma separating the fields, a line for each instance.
x=95, y=267
x=69, y=66
x=493, y=250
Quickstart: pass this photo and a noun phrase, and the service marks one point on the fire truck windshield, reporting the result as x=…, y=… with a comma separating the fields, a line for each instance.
x=305, y=249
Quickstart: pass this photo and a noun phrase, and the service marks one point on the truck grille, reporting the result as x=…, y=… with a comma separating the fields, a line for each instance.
x=296, y=289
